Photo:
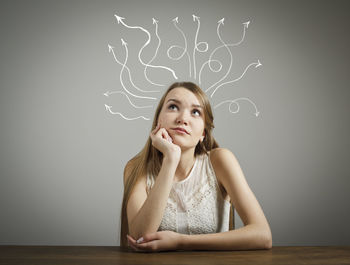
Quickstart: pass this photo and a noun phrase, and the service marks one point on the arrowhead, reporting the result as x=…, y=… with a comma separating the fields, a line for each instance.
x=176, y=20
x=107, y=107
x=154, y=21
x=259, y=64
x=110, y=48
x=194, y=17
x=106, y=94
x=120, y=19
x=123, y=42
x=221, y=21
x=257, y=113
x=246, y=24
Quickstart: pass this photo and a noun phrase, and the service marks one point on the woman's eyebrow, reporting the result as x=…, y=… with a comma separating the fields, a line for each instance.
x=179, y=102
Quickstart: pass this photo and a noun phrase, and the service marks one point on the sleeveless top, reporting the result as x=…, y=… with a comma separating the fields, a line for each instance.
x=195, y=205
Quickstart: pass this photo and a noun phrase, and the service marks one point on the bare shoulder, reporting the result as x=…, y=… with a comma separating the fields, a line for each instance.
x=223, y=162
x=129, y=167
x=220, y=156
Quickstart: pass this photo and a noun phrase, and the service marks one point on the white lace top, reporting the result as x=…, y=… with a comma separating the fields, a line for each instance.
x=195, y=205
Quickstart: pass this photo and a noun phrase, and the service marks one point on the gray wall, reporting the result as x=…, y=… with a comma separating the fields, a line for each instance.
x=62, y=154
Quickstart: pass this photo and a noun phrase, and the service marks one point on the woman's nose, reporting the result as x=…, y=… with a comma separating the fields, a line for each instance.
x=182, y=118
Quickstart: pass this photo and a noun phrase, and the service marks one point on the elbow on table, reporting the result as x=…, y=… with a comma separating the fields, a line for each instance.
x=261, y=239
x=267, y=244
x=266, y=241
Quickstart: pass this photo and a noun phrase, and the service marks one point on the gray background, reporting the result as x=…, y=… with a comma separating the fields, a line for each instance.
x=62, y=154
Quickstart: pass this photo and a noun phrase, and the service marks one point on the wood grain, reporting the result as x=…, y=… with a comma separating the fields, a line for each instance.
x=86, y=255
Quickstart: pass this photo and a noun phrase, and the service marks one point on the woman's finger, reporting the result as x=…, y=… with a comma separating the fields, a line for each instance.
x=133, y=248
x=132, y=244
x=154, y=131
x=156, y=128
x=147, y=246
x=131, y=239
x=160, y=133
x=165, y=133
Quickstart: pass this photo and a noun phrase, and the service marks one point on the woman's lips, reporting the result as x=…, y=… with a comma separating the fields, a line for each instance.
x=179, y=131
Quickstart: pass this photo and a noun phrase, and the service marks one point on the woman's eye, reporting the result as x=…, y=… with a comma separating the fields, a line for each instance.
x=172, y=106
x=198, y=113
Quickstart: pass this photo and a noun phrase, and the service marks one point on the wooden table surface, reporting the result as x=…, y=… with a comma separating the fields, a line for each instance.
x=115, y=255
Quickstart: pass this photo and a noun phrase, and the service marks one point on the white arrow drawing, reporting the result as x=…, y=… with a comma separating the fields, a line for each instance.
x=176, y=21
x=196, y=48
x=220, y=22
x=235, y=80
x=120, y=20
x=155, y=54
x=245, y=26
x=108, y=108
x=237, y=104
x=111, y=49
x=121, y=73
x=107, y=94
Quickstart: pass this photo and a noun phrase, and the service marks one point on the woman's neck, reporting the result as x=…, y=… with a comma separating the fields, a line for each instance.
x=185, y=164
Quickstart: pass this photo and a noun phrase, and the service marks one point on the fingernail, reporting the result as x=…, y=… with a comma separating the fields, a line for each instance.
x=140, y=240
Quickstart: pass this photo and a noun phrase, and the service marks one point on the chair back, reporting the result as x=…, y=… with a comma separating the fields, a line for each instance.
x=232, y=218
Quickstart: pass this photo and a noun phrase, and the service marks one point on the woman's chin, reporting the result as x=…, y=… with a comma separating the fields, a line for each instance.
x=180, y=141
x=177, y=142
x=182, y=145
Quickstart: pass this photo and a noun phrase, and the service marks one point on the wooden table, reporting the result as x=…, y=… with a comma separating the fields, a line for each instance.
x=86, y=255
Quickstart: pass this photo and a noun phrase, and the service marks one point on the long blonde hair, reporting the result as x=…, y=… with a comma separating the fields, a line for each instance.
x=149, y=159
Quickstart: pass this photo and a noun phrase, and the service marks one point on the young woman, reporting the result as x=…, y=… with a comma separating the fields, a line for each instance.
x=179, y=189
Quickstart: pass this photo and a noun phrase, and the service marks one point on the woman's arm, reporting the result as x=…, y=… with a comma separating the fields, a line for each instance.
x=255, y=234
x=145, y=212
x=245, y=238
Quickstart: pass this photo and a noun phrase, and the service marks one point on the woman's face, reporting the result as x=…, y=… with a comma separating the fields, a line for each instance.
x=182, y=111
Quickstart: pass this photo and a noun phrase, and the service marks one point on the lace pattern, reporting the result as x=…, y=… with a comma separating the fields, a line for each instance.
x=195, y=204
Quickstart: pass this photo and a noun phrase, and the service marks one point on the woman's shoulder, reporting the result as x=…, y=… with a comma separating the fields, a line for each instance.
x=129, y=167
x=220, y=155
x=224, y=164
x=222, y=160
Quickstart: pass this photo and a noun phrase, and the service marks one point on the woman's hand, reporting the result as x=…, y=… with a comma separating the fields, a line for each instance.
x=164, y=143
x=159, y=241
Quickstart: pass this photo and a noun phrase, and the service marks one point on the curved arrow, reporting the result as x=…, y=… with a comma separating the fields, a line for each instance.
x=232, y=81
x=121, y=72
x=235, y=102
x=120, y=20
x=123, y=93
x=155, y=54
x=197, y=44
x=111, y=49
x=176, y=21
x=220, y=22
x=200, y=71
x=125, y=118
x=245, y=26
